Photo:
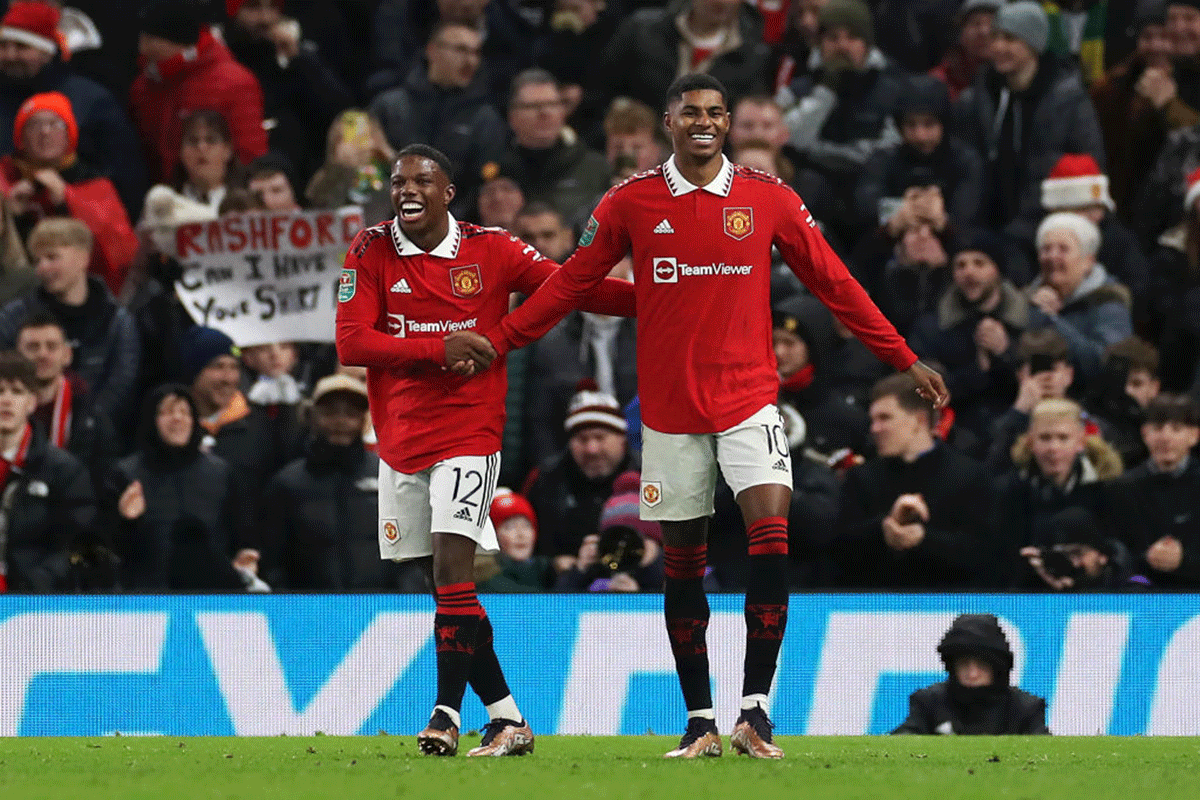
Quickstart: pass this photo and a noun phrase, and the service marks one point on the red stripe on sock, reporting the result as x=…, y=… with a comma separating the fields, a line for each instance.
x=459, y=599
x=767, y=537
x=685, y=563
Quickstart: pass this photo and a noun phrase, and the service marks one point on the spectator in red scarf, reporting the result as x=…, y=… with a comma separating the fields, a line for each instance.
x=45, y=177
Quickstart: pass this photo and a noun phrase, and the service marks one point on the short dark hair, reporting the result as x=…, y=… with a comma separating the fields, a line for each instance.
x=432, y=153
x=537, y=208
x=692, y=82
x=534, y=76
x=1043, y=342
x=270, y=165
x=16, y=368
x=902, y=387
x=41, y=319
x=1135, y=354
x=1178, y=408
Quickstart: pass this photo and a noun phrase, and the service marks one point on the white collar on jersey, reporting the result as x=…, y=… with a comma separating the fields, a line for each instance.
x=680, y=185
x=447, y=248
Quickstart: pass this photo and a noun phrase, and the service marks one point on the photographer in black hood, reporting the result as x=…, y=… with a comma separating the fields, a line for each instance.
x=975, y=698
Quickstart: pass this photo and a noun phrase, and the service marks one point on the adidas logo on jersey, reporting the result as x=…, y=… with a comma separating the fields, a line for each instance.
x=663, y=227
x=463, y=513
x=780, y=465
x=402, y=286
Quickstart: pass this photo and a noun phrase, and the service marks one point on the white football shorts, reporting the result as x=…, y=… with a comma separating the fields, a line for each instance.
x=452, y=496
x=679, y=470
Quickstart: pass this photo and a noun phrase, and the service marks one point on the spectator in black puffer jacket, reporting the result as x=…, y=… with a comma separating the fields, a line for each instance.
x=976, y=697
x=926, y=152
x=46, y=498
x=318, y=530
x=444, y=103
x=176, y=514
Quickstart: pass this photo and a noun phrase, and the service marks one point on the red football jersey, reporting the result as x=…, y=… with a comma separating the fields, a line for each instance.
x=702, y=261
x=395, y=305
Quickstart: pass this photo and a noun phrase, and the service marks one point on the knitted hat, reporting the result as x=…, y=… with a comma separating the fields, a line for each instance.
x=177, y=21
x=621, y=509
x=34, y=24
x=853, y=15
x=54, y=102
x=590, y=406
x=1026, y=20
x=1076, y=182
x=199, y=347
x=234, y=6
x=1084, y=229
x=1193, y=190
x=971, y=6
x=508, y=504
x=986, y=242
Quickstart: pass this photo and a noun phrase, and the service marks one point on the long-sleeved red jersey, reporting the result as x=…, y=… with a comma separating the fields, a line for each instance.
x=395, y=305
x=701, y=260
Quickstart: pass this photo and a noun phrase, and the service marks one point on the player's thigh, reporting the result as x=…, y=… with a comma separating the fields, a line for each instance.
x=755, y=452
x=460, y=496
x=679, y=475
x=404, y=514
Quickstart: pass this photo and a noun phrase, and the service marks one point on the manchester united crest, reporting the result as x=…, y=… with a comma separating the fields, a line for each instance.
x=391, y=531
x=466, y=281
x=651, y=493
x=739, y=222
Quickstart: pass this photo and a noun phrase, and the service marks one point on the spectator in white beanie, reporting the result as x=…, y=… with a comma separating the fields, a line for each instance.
x=1075, y=294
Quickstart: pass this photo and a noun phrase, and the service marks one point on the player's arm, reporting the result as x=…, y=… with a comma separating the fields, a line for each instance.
x=360, y=312
x=603, y=244
x=611, y=296
x=812, y=259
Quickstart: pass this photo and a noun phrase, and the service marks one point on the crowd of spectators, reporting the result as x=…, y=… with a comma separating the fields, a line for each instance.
x=1016, y=183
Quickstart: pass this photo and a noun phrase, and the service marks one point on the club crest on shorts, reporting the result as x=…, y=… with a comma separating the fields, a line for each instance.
x=466, y=281
x=391, y=531
x=651, y=493
x=739, y=222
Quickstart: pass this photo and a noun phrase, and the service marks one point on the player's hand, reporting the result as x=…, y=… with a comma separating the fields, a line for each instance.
x=1165, y=555
x=468, y=352
x=930, y=385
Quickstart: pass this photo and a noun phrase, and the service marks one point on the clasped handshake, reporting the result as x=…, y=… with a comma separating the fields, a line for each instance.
x=468, y=353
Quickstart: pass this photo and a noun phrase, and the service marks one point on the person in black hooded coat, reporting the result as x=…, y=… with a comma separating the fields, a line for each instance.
x=175, y=512
x=926, y=155
x=975, y=698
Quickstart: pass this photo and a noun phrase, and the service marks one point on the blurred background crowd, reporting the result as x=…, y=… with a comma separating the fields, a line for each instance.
x=1014, y=182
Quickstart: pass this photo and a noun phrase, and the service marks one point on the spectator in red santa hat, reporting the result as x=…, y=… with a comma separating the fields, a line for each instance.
x=1076, y=184
x=187, y=69
x=515, y=568
x=46, y=177
x=33, y=60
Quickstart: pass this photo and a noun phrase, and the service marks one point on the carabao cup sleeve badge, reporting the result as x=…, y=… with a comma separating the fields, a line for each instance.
x=347, y=284
x=589, y=232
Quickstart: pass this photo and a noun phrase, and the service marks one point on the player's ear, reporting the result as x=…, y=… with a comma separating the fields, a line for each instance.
x=667, y=122
x=450, y=192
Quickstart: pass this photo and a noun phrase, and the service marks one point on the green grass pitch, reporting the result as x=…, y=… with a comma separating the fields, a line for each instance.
x=613, y=768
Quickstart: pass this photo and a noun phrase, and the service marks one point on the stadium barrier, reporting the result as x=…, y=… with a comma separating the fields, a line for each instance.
x=596, y=664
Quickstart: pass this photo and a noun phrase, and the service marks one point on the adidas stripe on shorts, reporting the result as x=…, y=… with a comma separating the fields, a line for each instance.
x=452, y=496
x=679, y=470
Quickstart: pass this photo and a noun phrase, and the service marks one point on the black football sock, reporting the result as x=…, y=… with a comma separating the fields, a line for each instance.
x=456, y=630
x=687, y=613
x=766, y=603
x=486, y=676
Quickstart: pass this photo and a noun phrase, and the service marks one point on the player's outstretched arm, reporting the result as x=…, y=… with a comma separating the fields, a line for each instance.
x=611, y=296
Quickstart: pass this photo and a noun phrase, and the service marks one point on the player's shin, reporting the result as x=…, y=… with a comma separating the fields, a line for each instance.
x=456, y=629
x=687, y=613
x=766, y=605
x=487, y=678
